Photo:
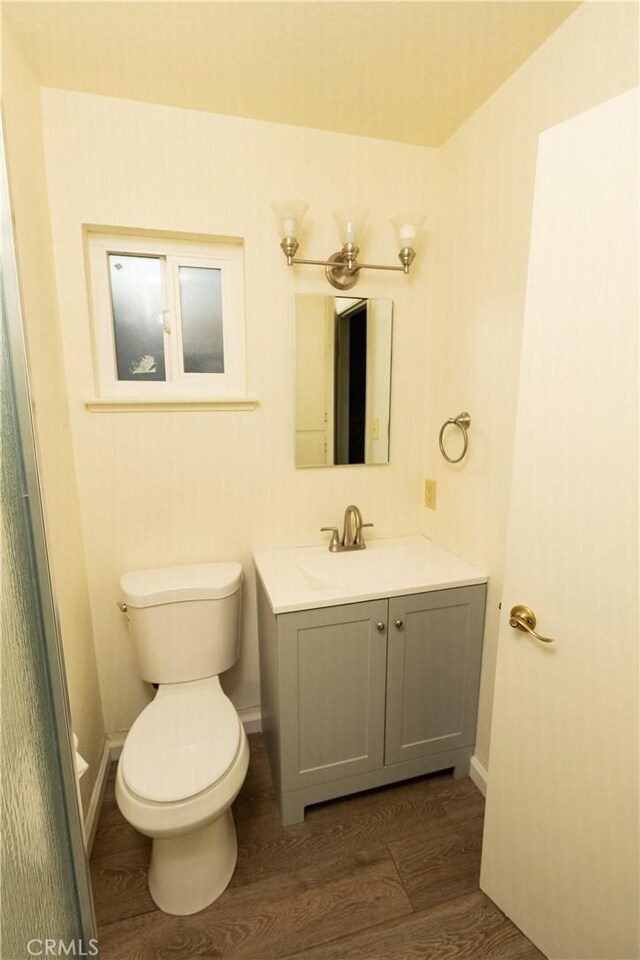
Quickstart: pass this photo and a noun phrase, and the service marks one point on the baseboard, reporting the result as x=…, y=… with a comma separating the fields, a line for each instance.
x=116, y=743
x=97, y=795
x=251, y=718
x=479, y=774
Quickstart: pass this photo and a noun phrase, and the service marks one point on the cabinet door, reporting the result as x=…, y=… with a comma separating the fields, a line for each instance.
x=433, y=672
x=332, y=673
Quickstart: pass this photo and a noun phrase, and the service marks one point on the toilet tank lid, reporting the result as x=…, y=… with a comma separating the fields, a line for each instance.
x=199, y=581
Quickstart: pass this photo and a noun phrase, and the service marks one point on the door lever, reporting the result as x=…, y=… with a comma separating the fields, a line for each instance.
x=523, y=618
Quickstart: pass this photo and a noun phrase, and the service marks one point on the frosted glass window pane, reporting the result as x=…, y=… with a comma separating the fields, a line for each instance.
x=137, y=302
x=201, y=309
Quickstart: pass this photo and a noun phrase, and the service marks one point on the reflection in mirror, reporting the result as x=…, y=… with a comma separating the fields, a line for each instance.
x=343, y=380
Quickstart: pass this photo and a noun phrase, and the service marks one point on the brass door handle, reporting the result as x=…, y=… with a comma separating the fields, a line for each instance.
x=523, y=618
x=380, y=626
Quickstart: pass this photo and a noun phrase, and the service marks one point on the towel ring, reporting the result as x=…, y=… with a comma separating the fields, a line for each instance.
x=463, y=421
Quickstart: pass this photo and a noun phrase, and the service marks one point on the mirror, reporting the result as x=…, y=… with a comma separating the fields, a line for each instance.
x=342, y=380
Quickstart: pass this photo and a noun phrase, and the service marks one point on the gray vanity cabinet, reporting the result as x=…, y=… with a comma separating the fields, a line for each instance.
x=362, y=694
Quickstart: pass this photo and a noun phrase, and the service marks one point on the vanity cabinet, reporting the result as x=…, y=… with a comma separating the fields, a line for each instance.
x=362, y=694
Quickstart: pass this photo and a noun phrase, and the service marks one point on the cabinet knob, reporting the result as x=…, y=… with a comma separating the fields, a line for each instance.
x=399, y=624
x=380, y=626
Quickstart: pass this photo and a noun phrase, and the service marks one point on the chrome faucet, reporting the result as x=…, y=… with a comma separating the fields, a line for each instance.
x=352, y=538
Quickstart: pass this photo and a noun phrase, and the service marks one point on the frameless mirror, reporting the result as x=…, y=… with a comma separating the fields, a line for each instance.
x=342, y=380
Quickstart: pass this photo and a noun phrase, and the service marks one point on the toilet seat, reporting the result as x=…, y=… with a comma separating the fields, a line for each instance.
x=179, y=818
x=182, y=743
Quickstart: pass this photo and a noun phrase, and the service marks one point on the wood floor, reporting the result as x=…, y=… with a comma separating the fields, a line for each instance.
x=392, y=873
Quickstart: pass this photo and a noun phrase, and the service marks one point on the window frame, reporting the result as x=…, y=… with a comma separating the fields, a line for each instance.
x=226, y=256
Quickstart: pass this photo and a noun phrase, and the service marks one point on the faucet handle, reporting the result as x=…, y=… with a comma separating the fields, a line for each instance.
x=359, y=538
x=334, y=543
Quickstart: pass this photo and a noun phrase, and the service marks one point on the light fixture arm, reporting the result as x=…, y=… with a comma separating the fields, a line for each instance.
x=342, y=270
x=354, y=266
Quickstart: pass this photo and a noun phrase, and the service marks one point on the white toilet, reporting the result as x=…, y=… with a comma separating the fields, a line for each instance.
x=186, y=755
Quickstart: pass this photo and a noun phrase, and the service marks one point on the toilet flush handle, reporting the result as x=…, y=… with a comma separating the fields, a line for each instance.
x=122, y=606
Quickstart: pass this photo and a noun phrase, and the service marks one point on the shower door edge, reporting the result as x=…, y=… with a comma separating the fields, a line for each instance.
x=32, y=494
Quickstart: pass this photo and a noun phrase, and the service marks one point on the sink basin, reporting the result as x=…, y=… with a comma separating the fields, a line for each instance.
x=303, y=578
x=360, y=568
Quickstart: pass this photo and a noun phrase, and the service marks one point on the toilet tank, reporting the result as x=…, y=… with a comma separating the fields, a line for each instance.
x=184, y=622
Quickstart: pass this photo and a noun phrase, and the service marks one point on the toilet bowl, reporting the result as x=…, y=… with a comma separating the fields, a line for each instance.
x=194, y=842
x=186, y=756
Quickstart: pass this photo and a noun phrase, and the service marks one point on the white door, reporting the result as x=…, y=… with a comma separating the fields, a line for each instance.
x=560, y=853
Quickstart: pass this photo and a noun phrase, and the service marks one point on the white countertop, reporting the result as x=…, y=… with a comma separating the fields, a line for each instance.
x=303, y=578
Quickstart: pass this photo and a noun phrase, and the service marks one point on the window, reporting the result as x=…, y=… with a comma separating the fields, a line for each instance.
x=168, y=318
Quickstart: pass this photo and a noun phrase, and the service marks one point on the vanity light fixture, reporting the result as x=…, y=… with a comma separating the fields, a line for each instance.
x=342, y=268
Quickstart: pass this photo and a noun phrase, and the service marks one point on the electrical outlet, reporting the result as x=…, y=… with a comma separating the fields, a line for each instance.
x=430, y=494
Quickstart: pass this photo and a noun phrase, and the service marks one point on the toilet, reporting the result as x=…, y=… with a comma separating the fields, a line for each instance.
x=186, y=755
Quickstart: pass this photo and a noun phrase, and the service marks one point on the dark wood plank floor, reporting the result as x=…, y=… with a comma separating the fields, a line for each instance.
x=391, y=873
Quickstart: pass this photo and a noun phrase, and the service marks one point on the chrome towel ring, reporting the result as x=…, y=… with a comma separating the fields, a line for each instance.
x=463, y=421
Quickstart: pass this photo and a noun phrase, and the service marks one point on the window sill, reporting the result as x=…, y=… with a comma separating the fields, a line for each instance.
x=168, y=404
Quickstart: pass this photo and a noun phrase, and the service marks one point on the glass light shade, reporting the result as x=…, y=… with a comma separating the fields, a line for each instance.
x=407, y=228
x=289, y=214
x=350, y=223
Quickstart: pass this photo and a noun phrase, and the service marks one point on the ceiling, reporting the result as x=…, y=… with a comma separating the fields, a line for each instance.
x=409, y=71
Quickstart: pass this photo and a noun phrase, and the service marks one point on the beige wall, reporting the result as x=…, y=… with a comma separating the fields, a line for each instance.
x=25, y=161
x=481, y=268
x=179, y=487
